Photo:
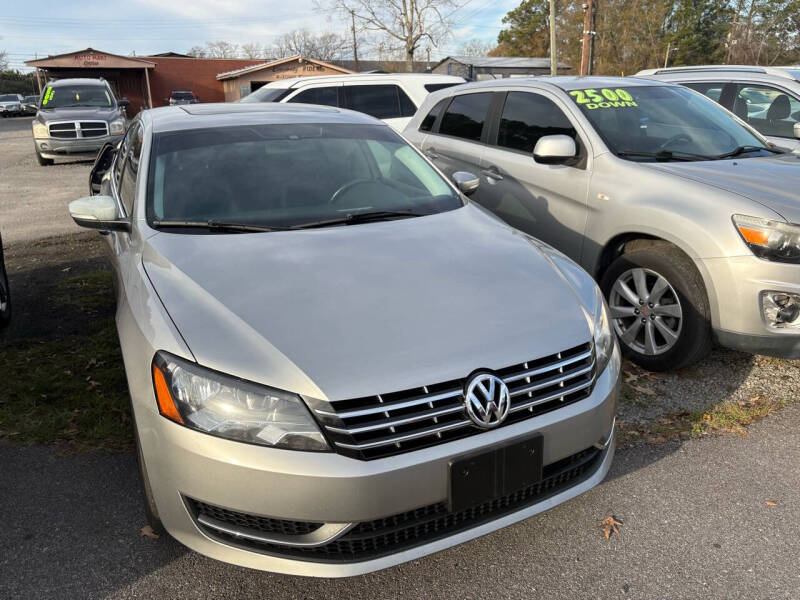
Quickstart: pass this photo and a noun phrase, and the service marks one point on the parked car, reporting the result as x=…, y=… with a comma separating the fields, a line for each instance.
x=687, y=217
x=182, y=98
x=30, y=104
x=11, y=105
x=393, y=98
x=338, y=363
x=76, y=118
x=767, y=98
x=5, y=291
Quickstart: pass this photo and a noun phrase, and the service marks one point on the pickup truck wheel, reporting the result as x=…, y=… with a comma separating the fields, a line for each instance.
x=148, y=501
x=45, y=162
x=659, y=307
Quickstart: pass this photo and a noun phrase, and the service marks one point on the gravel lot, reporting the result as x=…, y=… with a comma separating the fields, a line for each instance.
x=694, y=514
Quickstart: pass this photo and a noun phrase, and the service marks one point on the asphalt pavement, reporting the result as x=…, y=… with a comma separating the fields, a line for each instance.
x=696, y=524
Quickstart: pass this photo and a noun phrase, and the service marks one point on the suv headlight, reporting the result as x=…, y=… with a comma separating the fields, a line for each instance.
x=40, y=130
x=116, y=127
x=232, y=408
x=770, y=240
x=602, y=333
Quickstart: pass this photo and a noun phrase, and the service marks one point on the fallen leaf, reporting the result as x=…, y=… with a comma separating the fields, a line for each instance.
x=706, y=417
x=644, y=390
x=770, y=503
x=609, y=526
x=147, y=531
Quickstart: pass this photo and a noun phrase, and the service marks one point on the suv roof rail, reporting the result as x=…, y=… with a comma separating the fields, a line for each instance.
x=777, y=71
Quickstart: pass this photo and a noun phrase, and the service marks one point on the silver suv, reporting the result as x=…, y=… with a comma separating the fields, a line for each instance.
x=686, y=216
x=76, y=118
x=768, y=98
x=337, y=362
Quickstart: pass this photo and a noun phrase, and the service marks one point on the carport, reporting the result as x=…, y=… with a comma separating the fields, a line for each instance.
x=128, y=76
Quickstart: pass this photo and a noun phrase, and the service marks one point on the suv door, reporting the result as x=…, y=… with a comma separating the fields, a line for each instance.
x=546, y=201
x=456, y=140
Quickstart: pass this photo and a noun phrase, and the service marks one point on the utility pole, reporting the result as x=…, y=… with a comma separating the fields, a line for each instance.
x=553, y=53
x=587, y=52
x=355, y=40
x=38, y=80
x=669, y=49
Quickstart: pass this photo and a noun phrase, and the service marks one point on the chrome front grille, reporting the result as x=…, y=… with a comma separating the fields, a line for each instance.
x=389, y=424
x=78, y=129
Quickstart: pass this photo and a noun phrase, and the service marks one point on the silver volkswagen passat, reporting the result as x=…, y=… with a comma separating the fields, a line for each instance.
x=336, y=361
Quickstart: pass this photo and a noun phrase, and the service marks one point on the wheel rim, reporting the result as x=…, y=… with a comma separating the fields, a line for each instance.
x=646, y=311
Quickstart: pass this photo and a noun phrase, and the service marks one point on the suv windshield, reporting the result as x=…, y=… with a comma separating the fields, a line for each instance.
x=665, y=123
x=290, y=176
x=67, y=96
x=267, y=94
x=9, y=98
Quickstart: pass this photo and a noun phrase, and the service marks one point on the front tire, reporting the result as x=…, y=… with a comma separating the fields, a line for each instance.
x=659, y=306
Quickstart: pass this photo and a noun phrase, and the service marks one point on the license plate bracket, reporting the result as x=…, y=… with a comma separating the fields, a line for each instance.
x=501, y=470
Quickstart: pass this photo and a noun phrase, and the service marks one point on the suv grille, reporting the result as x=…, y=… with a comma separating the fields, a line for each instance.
x=79, y=129
x=93, y=128
x=389, y=424
x=389, y=535
x=63, y=130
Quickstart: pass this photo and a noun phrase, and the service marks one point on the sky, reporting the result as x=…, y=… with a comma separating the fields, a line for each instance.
x=153, y=26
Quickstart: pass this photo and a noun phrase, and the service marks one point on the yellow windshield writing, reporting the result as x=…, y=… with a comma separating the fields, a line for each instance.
x=48, y=95
x=592, y=98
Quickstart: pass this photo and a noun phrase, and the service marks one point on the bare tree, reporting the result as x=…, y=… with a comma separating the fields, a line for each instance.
x=405, y=23
x=475, y=47
x=322, y=46
x=222, y=49
x=197, y=52
x=3, y=60
x=254, y=50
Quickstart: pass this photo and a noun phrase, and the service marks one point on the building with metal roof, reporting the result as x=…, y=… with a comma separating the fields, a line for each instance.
x=478, y=68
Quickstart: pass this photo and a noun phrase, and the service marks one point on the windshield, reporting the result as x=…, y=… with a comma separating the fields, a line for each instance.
x=182, y=96
x=664, y=122
x=32, y=99
x=9, y=98
x=289, y=175
x=66, y=96
x=267, y=94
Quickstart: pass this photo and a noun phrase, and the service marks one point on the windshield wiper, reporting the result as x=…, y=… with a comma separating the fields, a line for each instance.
x=218, y=226
x=364, y=217
x=742, y=149
x=666, y=155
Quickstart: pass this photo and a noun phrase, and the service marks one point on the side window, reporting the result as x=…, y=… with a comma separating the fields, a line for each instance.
x=121, y=153
x=327, y=96
x=127, y=185
x=526, y=117
x=407, y=107
x=466, y=115
x=379, y=101
x=770, y=110
x=430, y=118
x=708, y=88
x=435, y=87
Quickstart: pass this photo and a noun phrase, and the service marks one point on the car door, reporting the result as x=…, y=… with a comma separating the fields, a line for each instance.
x=385, y=101
x=457, y=140
x=546, y=201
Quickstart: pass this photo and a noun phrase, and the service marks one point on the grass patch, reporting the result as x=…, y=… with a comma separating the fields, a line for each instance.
x=725, y=417
x=71, y=389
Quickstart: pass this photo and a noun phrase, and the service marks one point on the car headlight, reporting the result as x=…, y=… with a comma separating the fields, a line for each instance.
x=602, y=333
x=116, y=127
x=770, y=240
x=232, y=408
x=40, y=130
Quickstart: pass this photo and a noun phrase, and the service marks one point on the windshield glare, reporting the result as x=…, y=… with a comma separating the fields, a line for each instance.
x=267, y=94
x=289, y=175
x=662, y=120
x=66, y=96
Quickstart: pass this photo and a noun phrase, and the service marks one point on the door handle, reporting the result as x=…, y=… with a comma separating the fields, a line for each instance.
x=431, y=153
x=492, y=173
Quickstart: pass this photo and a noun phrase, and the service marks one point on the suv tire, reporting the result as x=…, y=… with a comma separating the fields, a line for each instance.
x=659, y=306
x=45, y=162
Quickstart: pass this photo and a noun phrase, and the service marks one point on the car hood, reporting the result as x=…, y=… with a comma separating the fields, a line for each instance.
x=772, y=181
x=353, y=311
x=75, y=114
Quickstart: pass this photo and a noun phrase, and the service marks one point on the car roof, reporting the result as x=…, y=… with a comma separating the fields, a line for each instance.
x=565, y=82
x=77, y=81
x=425, y=77
x=201, y=116
x=787, y=72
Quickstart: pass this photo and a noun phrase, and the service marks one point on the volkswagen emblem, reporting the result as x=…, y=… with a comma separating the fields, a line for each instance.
x=486, y=400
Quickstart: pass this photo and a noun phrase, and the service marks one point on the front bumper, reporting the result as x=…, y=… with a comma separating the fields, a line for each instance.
x=58, y=148
x=738, y=321
x=189, y=469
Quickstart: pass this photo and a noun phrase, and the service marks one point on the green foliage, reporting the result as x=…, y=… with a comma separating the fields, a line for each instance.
x=14, y=82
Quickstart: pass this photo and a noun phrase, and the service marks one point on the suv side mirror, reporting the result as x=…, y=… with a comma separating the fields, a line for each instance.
x=98, y=212
x=796, y=131
x=466, y=183
x=554, y=149
x=123, y=102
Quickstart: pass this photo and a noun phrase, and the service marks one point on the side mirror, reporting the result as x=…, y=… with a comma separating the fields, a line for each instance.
x=466, y=183
x=98, y=212
x=554, y=149
x=123, y=102
x=796, y=131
